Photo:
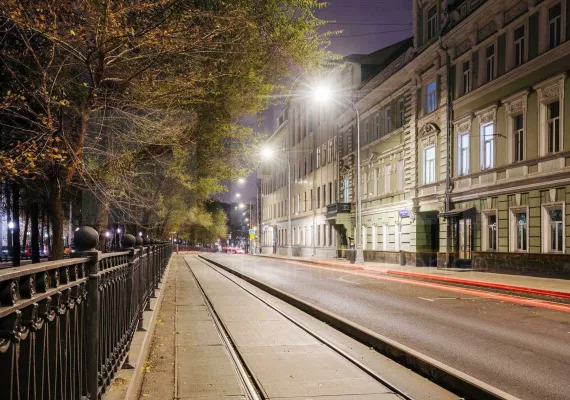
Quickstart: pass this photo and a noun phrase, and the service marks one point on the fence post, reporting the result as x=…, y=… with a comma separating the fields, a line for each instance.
x=86, y=240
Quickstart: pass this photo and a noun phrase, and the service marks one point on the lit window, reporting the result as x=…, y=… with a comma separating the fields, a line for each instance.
x=432, y=22
x=518, y=138
x=388, y=119
x=490, y=63
x=488, y=145
x=556, y=232
x=519, y=46
x=463, y=153
x=554, y=25
x=330, y=153
x=431, y=97
x=466, y=77
x=318, y=157
x=429, y=165
x=553, y=125
x=346, y=188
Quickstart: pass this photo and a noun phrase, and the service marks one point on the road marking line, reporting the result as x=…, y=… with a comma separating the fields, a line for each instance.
x=472, y=292
x=423, y=298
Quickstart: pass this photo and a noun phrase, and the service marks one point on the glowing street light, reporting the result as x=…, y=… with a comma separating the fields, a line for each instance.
x=119, y=230
x=322, y=93
x=267, y=152
x=247, y=220
x=107, y=234
x=11, y=225
x=140, y=234
x=238, y=195
x=241, y=205
x=241, y=180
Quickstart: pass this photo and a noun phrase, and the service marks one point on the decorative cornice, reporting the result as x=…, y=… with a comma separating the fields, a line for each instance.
x=463, y=124
x=552, y=88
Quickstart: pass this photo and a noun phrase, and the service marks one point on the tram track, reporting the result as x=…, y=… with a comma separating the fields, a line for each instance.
x=352, y=360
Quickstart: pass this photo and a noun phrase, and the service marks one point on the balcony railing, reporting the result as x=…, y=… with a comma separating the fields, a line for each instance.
x=338, y=208
x=66, y=326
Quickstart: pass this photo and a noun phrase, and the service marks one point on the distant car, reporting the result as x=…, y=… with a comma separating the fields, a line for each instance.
x=239, y=250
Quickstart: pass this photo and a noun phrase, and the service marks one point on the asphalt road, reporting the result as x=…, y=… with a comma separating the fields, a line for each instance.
x=520, y=349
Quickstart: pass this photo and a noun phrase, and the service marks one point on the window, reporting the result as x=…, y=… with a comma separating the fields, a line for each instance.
x=518, y=138
x=400, y=176
x=374, y=237
x=432, y=22
x=311, y=162
x=305, y=169
x=324, y=155
x=330, y=153
x=384, y=237
x=388, y=119
x=311, y=200
x=488, y=146
x=490, y=239
x=305, y=203
x=299, y=169
x=324, y=195
x=298, y=203
x=319, y=197
x=346, y=197
x=490, y=63
x=429, y=165
x=519, y=46
x=401, y=114
x=556, y=230
x=431, y=97
x=519, y=233
x=387, y=178
x=398, y=237
x=377, y=126
x=553, y=127
x=318, y=157
x=335, y=147
x=463, y=140
x=554, y=25
x=466, y=77
x=330, y=193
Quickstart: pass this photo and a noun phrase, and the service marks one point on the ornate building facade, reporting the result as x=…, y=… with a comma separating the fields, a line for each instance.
x=465, y=153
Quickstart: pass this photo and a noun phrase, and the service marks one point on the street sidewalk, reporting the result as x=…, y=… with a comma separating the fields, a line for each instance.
x=559, y=288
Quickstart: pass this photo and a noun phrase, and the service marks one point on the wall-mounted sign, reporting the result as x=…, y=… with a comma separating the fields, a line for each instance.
x=252, y=231
x=404, y=213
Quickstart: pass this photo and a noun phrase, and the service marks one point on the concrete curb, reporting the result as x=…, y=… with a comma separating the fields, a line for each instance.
x=136, y=380
x=470, y=282
x=446, y=376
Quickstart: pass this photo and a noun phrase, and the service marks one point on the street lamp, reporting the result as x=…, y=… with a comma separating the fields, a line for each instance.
x=241, y=180
x=321, y=94
x=241, y=205
x=11, y=225
x=238, y=195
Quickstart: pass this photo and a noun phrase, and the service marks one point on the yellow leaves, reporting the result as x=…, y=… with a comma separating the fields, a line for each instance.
x=72, y=32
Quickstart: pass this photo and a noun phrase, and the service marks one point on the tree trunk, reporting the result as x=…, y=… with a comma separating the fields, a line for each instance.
x=8, y=218
x=16, y=220
x=35, y=239
x=48, y=235
x=57, y=219
x=43, y=231
x=102, y=222
x=25, y=236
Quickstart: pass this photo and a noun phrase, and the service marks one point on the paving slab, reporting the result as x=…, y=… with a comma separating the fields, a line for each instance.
x=286, y=361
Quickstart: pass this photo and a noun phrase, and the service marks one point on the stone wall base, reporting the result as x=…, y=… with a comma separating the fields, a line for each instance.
x=413, y=259
x=532, y=264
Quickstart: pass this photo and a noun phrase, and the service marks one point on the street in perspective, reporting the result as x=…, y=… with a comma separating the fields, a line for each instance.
x=284, y=199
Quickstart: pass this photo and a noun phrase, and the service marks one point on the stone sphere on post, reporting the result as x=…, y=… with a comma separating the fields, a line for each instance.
x=138, y=241
x=85, y=238
x=128, y=241
x=146, y=241
x=152, y=241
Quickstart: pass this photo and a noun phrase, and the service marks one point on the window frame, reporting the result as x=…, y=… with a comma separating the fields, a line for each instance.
x=514, y=230
x=387, y=179
x=522, y=44
x=558, y=22
x=484, y=142
x=430, y=97
x=485, y=230
x=466, y=82
x=461, y=158
x=556, y=121
x=546, y=227
x=425, y=160
x=490, y=59
x=431, y=22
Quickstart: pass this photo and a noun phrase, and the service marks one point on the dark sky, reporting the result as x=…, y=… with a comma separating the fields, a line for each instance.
x=367, y=25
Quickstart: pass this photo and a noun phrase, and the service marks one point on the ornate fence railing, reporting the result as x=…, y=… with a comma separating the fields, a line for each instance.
x=66, y=326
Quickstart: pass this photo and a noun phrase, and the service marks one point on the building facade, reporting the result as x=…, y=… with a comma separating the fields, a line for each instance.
x=465, y=153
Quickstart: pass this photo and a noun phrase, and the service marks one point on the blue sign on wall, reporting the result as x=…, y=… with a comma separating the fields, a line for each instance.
x=404, y=213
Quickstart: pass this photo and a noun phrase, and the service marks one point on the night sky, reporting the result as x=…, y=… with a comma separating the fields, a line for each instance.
x=367, y=25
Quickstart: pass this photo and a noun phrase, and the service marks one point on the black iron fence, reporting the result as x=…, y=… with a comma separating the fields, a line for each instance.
x=66, y=326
